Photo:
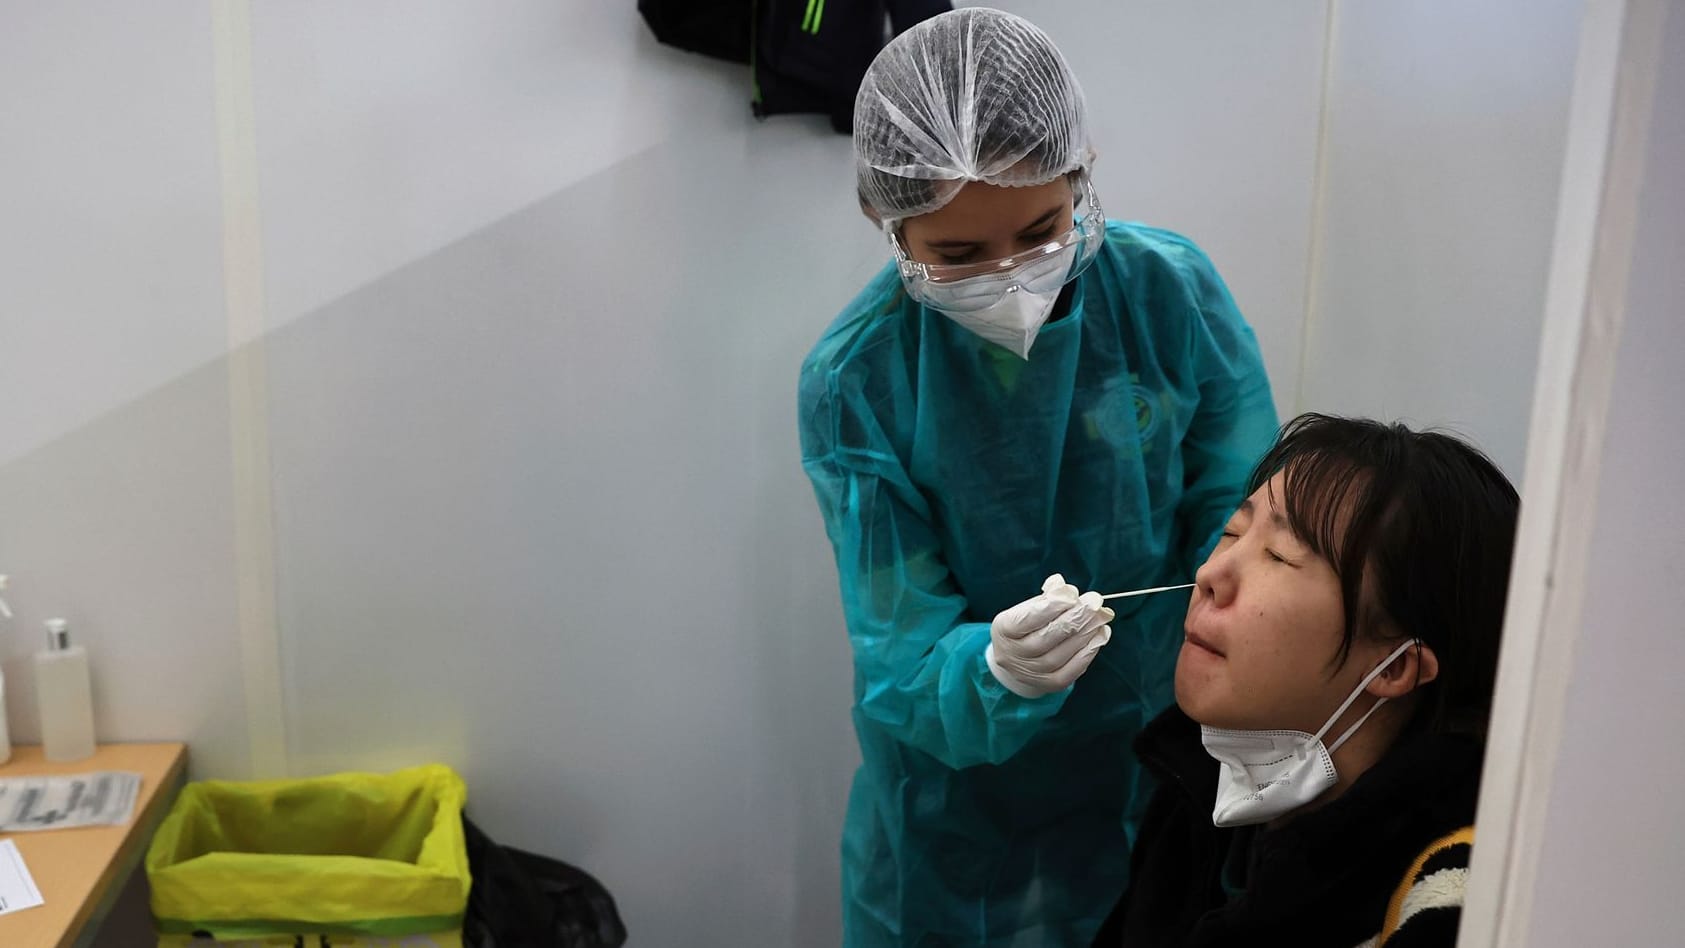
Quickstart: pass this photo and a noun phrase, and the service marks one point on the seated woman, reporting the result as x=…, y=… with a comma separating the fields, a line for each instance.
x=1318, y=774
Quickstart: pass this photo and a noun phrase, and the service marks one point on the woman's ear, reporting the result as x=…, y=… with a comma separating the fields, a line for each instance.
x=871, y=213
x=1415, y=668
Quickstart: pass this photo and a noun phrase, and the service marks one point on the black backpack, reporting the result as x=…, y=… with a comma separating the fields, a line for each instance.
x=804, y=55
x=710, y=27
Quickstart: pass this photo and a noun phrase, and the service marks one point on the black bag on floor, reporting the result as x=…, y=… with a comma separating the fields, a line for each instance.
x=524, y=900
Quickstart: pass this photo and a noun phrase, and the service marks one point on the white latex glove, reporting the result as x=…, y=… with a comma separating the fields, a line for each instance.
x=1043, y=645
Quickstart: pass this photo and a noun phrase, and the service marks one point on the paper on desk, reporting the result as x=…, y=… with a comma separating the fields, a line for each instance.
x=40, y=803
x=17, y=889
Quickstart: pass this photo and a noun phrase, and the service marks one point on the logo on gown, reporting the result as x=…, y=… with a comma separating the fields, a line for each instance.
x=1146, y=412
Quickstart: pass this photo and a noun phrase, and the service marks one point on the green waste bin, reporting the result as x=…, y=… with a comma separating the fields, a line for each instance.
x=347, y=861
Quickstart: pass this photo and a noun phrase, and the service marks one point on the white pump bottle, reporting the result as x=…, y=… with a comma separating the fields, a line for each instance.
x=65, y=696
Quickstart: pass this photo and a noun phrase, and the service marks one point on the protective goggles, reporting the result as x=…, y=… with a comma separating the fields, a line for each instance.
x=1042, y=269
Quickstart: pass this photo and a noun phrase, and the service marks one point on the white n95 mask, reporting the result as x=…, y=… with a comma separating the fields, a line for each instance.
x=1007, y=309
x=1013, y=323
x=1264, y=774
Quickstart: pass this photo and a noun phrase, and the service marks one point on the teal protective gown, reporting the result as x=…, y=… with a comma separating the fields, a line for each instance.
x=953, y=478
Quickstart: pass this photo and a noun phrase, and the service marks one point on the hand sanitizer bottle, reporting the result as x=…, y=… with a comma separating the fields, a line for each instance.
x=65, y=696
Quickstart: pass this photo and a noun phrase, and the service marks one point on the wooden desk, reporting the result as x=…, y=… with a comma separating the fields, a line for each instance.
x=80, y=871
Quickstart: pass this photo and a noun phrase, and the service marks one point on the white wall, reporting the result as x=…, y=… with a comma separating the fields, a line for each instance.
x=1612, y=858
x=1446, y=124
x=107, y=167
x=114, y=446
x=1205, y=116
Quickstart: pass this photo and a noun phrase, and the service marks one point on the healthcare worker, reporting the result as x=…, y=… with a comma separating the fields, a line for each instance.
x=1027, y=389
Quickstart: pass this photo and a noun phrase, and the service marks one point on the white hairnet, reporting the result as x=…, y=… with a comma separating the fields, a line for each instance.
x=971, y=95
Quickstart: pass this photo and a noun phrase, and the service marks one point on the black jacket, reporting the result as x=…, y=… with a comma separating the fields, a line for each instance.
x=1324, y=878
x=806, y=55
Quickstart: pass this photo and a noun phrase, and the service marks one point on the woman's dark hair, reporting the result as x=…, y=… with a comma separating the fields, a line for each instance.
x=1430, y=521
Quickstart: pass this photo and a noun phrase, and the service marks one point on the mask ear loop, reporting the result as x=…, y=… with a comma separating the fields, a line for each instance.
x=1374, y=673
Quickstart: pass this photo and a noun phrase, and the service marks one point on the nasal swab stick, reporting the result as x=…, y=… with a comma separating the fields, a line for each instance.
x=1145, y=592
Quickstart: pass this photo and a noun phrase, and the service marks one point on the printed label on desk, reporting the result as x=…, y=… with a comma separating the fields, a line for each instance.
x=43, y=803
x=17, y=889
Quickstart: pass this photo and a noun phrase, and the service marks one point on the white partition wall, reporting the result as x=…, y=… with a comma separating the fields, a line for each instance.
x=1579, y=825
x=1609, y=879
x=1443, y=150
